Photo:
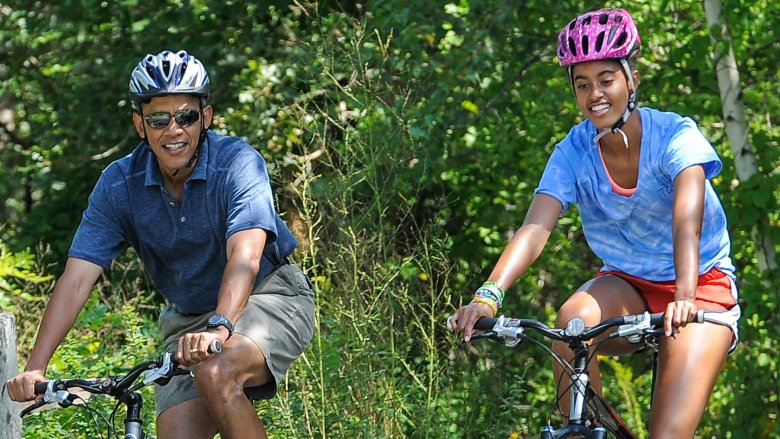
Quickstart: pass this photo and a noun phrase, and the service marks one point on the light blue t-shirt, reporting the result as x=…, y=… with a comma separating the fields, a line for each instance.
x=183, y=245
x=634, y=234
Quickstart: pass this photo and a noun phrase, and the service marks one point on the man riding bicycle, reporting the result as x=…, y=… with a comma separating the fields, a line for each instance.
x=198, y=209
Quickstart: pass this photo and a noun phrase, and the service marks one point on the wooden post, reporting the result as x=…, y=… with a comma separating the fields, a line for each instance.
x=10, y=423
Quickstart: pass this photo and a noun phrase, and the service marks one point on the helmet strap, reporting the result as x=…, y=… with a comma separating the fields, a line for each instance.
x=145, y=138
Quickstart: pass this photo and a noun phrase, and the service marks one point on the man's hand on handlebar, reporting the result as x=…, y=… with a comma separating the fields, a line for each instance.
x=465, y=318
x=21, y=388
x=196, y=347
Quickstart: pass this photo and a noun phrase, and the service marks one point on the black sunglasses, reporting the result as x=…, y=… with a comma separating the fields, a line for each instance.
x=161, y=119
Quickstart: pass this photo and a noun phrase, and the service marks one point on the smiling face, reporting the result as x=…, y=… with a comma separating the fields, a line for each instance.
x=602, y=91
x=174, y=145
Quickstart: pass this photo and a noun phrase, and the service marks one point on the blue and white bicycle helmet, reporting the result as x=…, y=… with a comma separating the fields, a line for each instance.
x=168, y=73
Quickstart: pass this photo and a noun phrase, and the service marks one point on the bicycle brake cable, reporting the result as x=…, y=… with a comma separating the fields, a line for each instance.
x=112, y=418
x=95, y=414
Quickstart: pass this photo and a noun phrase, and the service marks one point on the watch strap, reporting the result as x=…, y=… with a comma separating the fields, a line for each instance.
x=218, y=320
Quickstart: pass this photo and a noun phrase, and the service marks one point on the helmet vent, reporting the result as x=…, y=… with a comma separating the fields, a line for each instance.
x=585, y=45
x=621, y=39
x=603, y=18
x=586, y=21
x=572, y=47
x=599, y=41
x=166, y=67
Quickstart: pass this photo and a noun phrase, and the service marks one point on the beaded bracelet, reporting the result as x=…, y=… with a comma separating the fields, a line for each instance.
x=490, y=303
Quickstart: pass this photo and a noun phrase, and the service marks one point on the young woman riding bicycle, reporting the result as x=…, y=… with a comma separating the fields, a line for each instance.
x=640, y=178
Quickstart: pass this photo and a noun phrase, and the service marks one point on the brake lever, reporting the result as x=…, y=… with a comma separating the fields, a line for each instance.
x=162, y=373
x=634, y=330
x=480, y=335
x=512, y=336
x=36, y=405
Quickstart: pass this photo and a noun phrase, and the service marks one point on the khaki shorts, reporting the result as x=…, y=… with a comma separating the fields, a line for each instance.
x=279, y=318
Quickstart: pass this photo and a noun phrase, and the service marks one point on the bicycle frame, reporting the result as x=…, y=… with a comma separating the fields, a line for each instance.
x=580, y=394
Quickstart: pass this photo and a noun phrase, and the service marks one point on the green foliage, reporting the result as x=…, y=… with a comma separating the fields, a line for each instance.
x=16, y=270
x=404, y=141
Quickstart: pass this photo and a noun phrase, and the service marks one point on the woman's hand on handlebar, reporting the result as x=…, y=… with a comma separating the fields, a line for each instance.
x=678, y=313
x=463, y=320
x=21, y=388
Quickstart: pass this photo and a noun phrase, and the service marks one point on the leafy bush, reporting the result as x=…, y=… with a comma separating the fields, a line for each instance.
x=404, y=141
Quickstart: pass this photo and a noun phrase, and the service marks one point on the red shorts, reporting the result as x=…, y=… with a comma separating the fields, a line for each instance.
x=713, y=291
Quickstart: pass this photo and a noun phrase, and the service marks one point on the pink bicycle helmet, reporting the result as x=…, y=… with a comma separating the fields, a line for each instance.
x=598, y=35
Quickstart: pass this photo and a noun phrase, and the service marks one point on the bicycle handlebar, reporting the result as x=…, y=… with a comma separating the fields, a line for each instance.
x=159, y=371
x=629, y=326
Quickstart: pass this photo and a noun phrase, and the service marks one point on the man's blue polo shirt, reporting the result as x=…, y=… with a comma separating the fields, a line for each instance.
x=182, y=245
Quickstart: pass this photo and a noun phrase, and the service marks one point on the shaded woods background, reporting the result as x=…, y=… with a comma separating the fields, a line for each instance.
x=405, y=140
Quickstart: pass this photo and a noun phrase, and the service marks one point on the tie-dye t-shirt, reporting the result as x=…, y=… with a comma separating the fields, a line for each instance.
x=634, y=234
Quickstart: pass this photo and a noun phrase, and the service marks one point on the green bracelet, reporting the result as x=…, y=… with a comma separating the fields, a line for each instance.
x=492, y=290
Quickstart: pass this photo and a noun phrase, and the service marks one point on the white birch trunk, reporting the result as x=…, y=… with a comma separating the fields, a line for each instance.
x=736, y=123
x=10, y=423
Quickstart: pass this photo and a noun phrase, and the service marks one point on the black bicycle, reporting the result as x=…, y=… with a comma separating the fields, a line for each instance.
x=590, y=416
x=124, y=389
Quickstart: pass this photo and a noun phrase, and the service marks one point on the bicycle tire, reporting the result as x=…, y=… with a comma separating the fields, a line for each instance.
x=599, y=413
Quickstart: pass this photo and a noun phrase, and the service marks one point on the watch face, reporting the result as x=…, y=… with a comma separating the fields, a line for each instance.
x=220, y=320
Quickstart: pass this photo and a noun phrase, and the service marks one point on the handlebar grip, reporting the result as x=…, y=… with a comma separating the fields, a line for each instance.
x=41, y=387
x=215, y=347
x=657, y=319
x=485, y=323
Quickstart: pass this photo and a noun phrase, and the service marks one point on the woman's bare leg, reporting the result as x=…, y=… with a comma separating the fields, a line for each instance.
x=688, y=366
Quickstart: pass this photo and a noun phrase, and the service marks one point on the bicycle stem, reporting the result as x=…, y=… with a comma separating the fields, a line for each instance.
x=133, y=422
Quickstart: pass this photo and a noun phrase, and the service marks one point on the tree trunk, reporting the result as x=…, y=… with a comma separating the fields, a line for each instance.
x=736, y=123
x=10, y=423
